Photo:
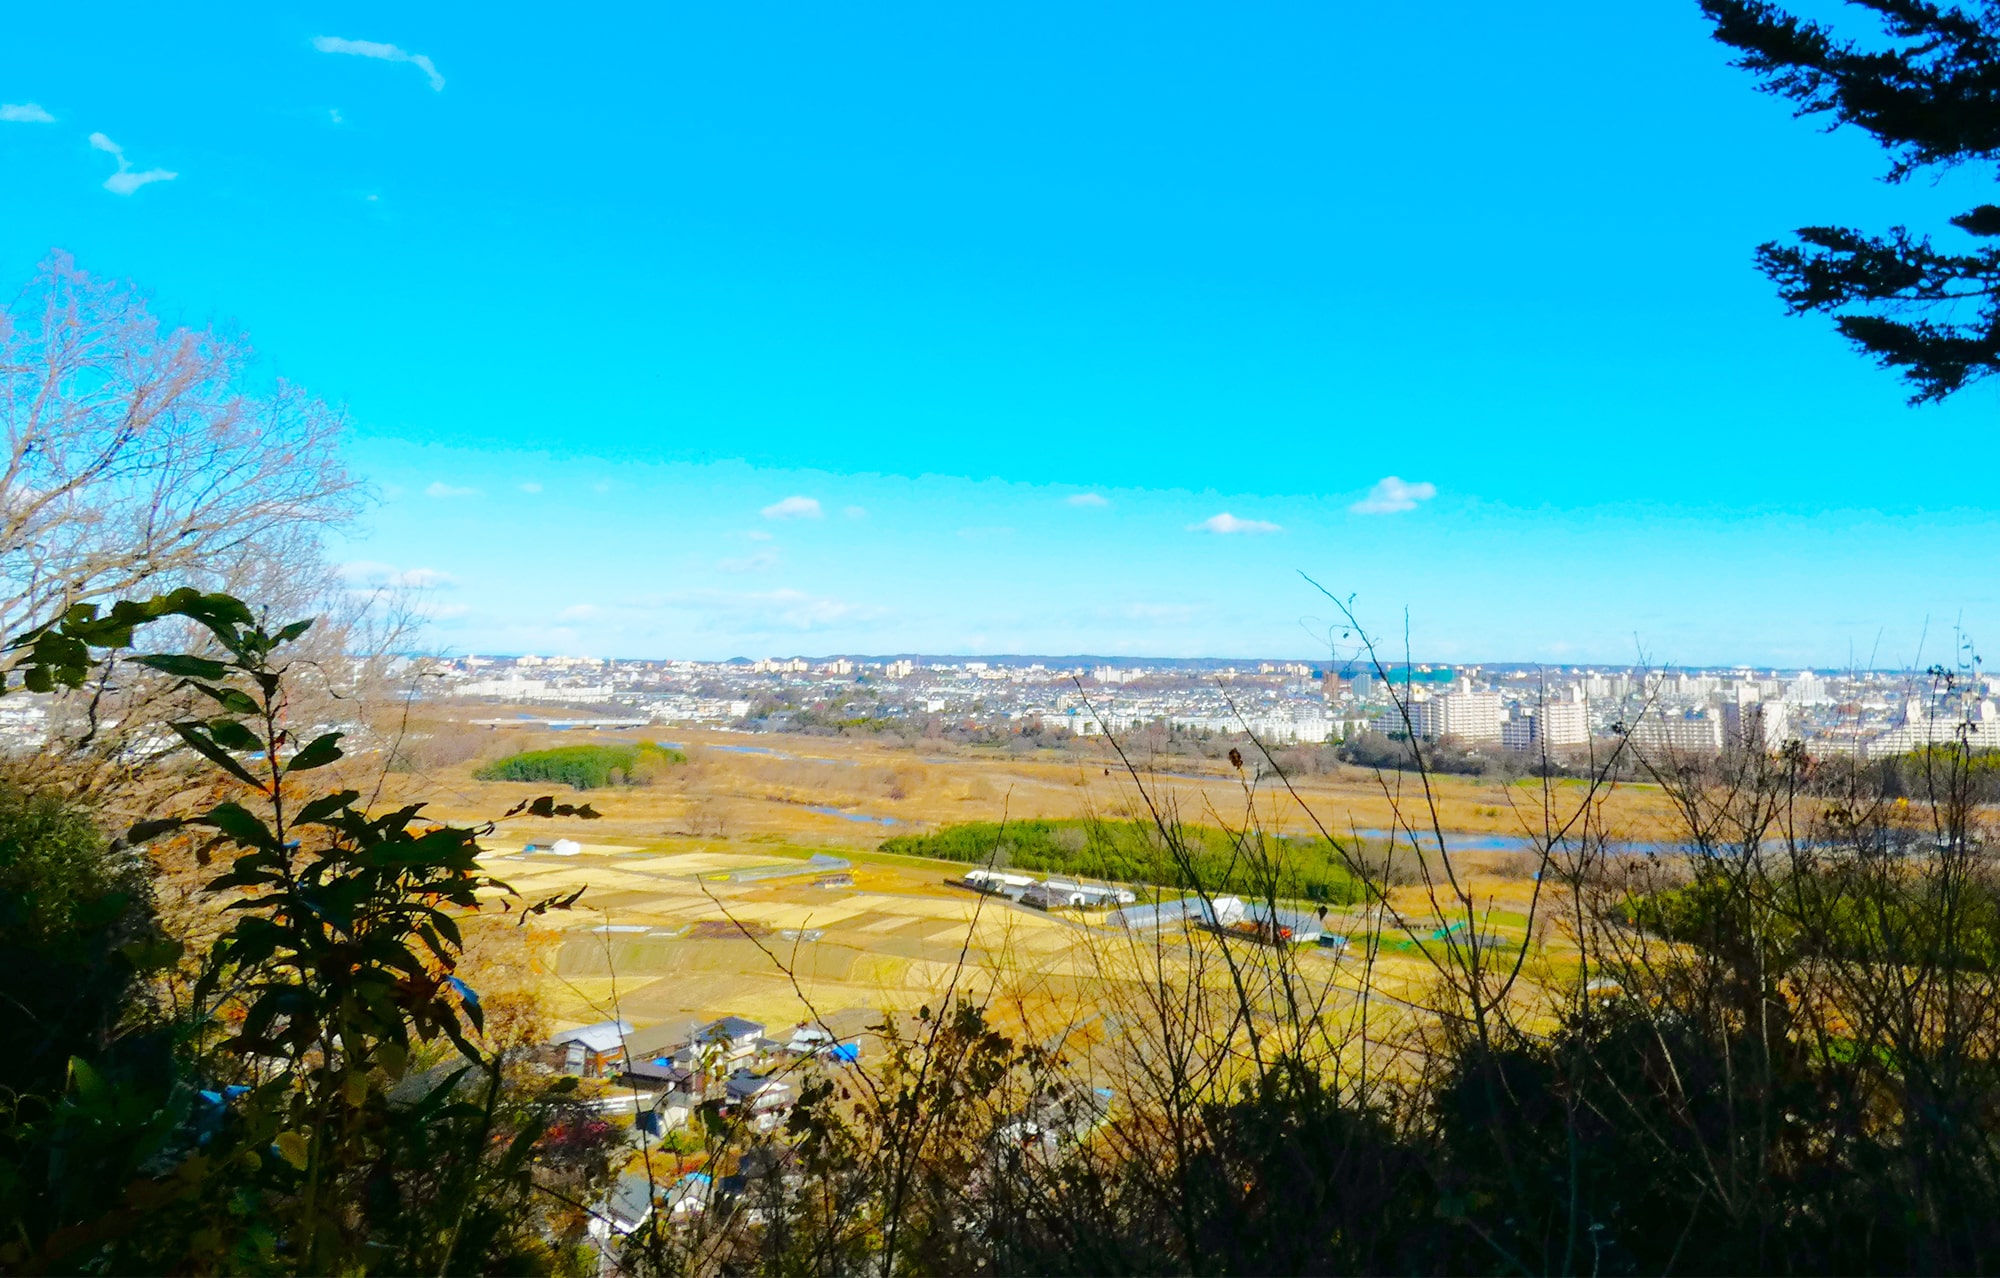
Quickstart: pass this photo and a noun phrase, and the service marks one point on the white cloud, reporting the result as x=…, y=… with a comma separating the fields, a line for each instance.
x=383, y=52
x=379, y=576
x=758, y=534
x=579, y=612
x=425, y=579
x=1163, y=614
x=531, y=487
x=440, y=489
x=1087, y=499
x=1225, y=523
x=333, y=114
x=793, y=508
x=1392, y=496
x=798, y=609
x=762, y=561
x=24, y=113
x=448, y=612
x=125, y=181
x=784, y=608
x=856, y=512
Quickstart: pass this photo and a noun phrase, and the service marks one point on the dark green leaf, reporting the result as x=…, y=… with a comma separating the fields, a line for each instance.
x=326, y=805
x=183, y=666
x=240, y=824
x=198, y=740
x=318, y=752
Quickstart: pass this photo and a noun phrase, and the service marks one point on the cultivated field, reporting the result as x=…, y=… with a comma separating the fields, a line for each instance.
x=666, y=931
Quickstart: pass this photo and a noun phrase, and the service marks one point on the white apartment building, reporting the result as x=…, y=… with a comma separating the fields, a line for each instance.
x=1806, y=690
x=1469, y=716
x=1472, y=717
x=1554, y=725
x=1676, y=733
x=1756, y=725
x=1927, y=725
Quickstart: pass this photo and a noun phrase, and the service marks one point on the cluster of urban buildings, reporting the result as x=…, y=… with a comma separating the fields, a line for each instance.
x=1501, y=707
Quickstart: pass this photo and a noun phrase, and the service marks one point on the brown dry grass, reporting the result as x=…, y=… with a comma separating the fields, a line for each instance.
x=893, y=941
x=740, y=787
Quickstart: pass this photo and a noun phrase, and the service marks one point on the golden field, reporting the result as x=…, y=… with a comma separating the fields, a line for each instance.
x=662, y=935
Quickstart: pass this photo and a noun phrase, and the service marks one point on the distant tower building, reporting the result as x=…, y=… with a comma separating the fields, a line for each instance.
x=1562, y=723
x=1469, y=716
x=1757, y=725
x=1329, y=687
x=1806, y=690
x=1691, y=733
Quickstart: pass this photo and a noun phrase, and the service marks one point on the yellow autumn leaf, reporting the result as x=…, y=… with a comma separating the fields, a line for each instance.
x=292, y=1148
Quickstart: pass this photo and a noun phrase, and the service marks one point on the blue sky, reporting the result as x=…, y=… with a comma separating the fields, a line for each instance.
x=1021, y=298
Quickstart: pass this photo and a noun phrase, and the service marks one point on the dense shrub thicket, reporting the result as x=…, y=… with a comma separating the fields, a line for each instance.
x=585, y=767
x=1133, y=852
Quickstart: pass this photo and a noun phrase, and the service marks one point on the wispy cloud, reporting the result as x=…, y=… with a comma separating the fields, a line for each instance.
x=441, y=490
x=757, y=534
x=382, y=52
x=125, y=181
x=24, y=113
x=798, y=609
x=579, y=612
x=1162, y=613
x=1226, y=523
x=333, y=115
x=531, y=487
x=1392, y=496
x=794, y=508
x=378, y=576
x=1087, y=499
x=856, y=512
x=762, y=561
x=784, y=608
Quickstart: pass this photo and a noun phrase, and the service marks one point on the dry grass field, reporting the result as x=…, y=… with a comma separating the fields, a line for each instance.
x=663, y=935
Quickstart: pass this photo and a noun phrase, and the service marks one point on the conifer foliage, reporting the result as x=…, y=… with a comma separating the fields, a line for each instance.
x=1928, y=91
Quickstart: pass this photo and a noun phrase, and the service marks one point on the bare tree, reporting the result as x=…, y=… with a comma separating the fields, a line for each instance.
x=139, y=459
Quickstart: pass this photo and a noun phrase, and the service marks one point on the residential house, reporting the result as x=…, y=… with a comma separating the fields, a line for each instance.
x=762, y=1100
x=594, y=1051
x=735, y=1037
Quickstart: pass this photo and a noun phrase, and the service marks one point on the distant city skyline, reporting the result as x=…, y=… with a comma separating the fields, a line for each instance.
x=1048, y=330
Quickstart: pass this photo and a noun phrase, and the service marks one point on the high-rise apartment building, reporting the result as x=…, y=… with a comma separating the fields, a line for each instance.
x=1562, y=723
x=1756, y=725
x=1468, y=716
x=1677, y=733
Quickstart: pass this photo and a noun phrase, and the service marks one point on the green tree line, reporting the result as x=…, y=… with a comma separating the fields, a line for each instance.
x=585, y=767
x=1204, y=857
